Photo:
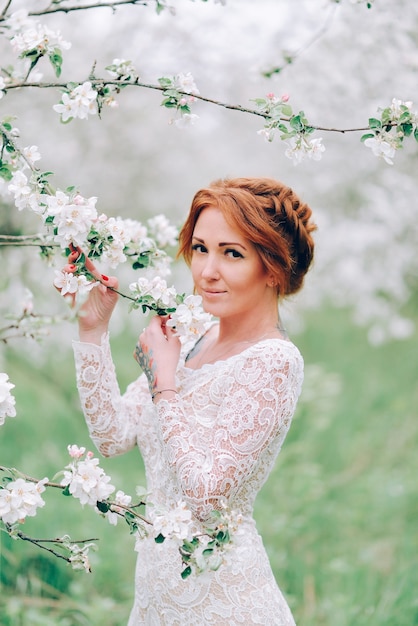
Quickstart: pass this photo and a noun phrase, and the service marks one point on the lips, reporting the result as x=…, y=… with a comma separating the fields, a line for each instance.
x=213, y=292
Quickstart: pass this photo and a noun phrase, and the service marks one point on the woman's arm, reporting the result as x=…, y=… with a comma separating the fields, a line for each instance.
x=112, y=418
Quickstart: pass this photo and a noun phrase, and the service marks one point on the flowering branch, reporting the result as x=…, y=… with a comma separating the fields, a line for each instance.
x=100, y=83
x=201, y=548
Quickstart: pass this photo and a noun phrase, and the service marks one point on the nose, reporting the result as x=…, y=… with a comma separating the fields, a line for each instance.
x=210, y=269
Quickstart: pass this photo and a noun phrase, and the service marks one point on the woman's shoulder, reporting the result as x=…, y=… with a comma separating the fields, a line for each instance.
x=278, y=350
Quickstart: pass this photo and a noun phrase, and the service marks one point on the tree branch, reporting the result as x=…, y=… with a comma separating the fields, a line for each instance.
x=100, y=82
x=97, y=5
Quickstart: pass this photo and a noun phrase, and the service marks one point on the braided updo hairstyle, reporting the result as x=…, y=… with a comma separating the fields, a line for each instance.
x=267, y=213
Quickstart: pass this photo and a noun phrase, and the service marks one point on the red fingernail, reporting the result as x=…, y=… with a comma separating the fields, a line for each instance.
x=105, y=277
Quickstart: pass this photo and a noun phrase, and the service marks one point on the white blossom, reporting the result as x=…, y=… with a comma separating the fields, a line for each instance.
x=31, y=153
x=157, y=288
x=382, y=146
x=300, y=147
x=185, y=82
x=21, y=189
x=186, y=120
x=79, y=103
x=7, y=400
x=123, y=499
x=86, y=481
x=20, y=499
x=190, y=319
x=19, y=20
x=75, y=451
x=40, y=38
x=74, y=221
x=70, y=284
x=113, y=231
x=79, y=558
x=122, y=70
x=266, y=133
x=176, y=522
x=136, y=230
x=164, y=233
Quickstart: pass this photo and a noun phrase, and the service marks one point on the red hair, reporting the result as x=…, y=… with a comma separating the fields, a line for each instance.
x=270, y=216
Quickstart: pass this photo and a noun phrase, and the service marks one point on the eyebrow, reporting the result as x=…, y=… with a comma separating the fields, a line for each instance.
x=222, y=244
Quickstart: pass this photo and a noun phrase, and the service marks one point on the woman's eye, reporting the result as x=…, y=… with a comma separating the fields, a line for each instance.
x=198, y=247
x=233, y=253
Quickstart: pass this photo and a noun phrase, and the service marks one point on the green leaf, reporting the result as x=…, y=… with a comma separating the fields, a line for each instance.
x=5, y=172
x=260, y=102
x=287, y=110
x=407, y=129
x=103, y=507
x=374, y=123
x=165, y=82
x=66, y=491
x=367, y=136
x=296, y=123
x=159, y=538
x=186, y=572
x=207, y=552
x=416, y=133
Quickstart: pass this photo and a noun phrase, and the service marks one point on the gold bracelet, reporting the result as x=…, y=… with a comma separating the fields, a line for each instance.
x=162, y=391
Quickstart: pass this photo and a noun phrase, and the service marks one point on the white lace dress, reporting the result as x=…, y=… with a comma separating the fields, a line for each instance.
x=217, y=439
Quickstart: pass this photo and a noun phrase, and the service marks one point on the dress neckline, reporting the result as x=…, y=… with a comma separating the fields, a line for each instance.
x=233, y=356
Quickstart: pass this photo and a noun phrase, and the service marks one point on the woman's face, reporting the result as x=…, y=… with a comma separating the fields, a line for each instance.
x=227, y=270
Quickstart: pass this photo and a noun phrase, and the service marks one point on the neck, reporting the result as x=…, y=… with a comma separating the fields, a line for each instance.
x=231, y=331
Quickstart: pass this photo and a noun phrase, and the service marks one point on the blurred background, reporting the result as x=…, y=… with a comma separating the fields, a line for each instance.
x=339, y=514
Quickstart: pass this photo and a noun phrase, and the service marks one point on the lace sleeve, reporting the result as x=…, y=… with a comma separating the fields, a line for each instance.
x=112, y=419
x=255, y=401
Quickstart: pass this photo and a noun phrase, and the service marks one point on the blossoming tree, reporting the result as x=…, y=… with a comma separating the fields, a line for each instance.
x=67, y=220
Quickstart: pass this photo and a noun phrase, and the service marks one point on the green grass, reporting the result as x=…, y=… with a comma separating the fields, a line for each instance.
x=338, y=515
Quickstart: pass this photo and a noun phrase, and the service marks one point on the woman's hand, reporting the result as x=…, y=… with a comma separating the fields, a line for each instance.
x=157, y=352
x=96, y=311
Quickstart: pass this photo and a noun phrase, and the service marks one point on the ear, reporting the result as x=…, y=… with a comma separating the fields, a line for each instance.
x=271, y=281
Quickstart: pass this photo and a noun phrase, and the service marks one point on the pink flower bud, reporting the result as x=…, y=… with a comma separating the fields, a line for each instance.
x=285, y=97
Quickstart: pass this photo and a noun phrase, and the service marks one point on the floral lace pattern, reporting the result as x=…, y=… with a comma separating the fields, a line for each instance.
x=216, y=441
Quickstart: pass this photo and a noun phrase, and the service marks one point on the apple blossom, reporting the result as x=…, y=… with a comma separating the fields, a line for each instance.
x=185, y=82
x=80, y=102
x=79, y=558
x=116, y=510
x=73, y=222
x=157, y=290
x=19, y=20
x=189, y=319
x=75, y=451
x=176, y=522
x=164, y=233
x=31, y=154
x=300, y=147
x=70, y=284
x=7, y=401
x=39, y=38
x=86, y=481
x=186, y=120
x=20, y=499
x=382, y=146
x=20, y=188
x=122, y=70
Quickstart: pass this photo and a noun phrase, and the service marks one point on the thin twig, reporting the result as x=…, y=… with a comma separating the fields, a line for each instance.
x=289, y=58
x=234, y=107
x=97, y=5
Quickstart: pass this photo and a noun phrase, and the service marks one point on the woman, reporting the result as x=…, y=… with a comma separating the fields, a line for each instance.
x=209, y=424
